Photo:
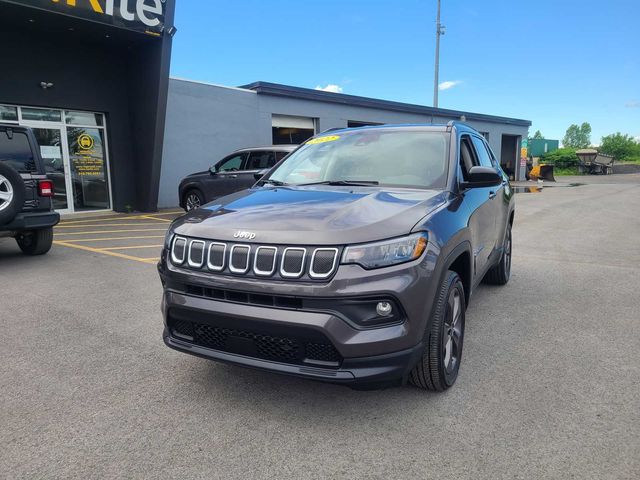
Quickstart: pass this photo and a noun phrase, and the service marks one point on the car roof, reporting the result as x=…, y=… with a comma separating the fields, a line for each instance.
x=275, y=148
x=437, y=127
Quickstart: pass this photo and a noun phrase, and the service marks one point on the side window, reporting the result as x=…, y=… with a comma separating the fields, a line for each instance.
x=232, y=163
x=16, y=151
x=468, y=157
x=260, y=160
x=483, y=154
x=280, y=156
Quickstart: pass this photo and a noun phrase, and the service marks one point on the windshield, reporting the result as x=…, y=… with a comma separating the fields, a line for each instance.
x=371, y=156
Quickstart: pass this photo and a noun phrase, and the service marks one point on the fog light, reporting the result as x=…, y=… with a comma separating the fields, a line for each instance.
x=383, y=309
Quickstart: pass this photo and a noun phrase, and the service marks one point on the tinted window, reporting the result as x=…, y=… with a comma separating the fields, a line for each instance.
x=232, y=163
x=467, y=156
x=281, y=155
x=16, y=151
x=260, y=160
x=389, y=156
x=483, y=155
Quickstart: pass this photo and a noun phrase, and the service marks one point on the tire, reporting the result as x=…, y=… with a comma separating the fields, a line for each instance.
x=35, y=242
x=11, y=193
x=438, y=368
x=500, y=274
x=193, y=199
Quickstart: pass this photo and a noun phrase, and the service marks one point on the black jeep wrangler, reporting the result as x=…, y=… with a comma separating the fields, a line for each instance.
x=351, y=261
x=26, y=210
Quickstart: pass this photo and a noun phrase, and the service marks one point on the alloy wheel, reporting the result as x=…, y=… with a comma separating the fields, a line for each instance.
x=507, y=253
x=6, y=192
x=452, y=335
x=193, y=201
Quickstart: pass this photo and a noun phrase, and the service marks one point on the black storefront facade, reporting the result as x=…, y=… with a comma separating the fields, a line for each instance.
x=91, y=78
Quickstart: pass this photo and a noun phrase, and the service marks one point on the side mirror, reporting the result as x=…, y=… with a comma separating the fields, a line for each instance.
x=213, y=170
x=260, y=173
x=482, y=177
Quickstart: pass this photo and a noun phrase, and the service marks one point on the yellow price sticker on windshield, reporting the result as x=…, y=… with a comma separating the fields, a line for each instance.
x=328, y=138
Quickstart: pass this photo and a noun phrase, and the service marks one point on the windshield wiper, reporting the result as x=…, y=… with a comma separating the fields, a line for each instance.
x=352, y=183
x=277, y=183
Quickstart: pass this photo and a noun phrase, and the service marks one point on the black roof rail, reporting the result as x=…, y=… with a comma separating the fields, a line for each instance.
x=332, y=129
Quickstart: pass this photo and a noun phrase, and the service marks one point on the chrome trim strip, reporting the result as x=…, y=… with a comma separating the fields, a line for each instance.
x=237, y=270
x=313, y=274
x=174, y=259
x=212, y=267
x=194, y=264
x=265, y=273
x=292, y=274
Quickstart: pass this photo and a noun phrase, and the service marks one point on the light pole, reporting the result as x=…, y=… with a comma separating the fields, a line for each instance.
x=439, y=32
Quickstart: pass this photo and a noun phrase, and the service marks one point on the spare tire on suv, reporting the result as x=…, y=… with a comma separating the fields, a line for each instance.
x=11, y=193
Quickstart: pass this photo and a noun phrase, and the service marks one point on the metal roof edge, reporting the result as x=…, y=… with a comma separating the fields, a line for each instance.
x=277, y=89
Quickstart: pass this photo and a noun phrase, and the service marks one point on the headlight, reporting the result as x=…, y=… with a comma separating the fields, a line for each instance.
x=387, y=252
x=168, y=237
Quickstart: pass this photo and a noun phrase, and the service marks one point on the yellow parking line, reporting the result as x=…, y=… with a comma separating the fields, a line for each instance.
x=130, y=248
x=114, y=231
x=112, y=238
x=113, y=225
x=156, y=218
x=113, y=254
x=103, y=219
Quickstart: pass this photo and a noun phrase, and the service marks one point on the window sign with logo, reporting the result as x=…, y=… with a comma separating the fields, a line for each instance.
x=88, y=168
x=146, y=16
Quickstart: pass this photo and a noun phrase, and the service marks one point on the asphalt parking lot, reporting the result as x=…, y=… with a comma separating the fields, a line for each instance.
x=549, y=386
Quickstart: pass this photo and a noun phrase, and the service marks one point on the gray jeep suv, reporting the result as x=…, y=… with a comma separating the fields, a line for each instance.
x=351, y=261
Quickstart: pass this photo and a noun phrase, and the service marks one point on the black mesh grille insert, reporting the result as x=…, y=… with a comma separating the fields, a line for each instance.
x=240, y=258
x=196, y=253
x=265, y=259
x=179, y=249
x=216, y=256
x=323, y=262
x=278, y=346
x=292, y=262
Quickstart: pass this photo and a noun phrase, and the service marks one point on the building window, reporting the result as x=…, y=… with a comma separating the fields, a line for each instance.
x=8, y=114
x=356, y=124
x=41, y=114
x=287, y=129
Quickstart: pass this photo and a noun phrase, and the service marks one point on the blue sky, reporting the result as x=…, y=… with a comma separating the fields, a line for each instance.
x=551, y=62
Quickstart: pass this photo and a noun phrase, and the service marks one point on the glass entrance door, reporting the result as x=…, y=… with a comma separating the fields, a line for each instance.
x=52, y=148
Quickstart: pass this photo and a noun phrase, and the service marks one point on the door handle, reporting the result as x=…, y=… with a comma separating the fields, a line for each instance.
x=492, y=194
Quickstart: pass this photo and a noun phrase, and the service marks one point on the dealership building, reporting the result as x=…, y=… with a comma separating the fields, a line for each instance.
x=91, y=77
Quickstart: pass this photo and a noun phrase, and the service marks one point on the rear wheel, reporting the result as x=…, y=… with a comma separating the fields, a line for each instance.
x=438, y=368
x=11, y=193
x=35, y=242
x=193, y=199
x=500, y=274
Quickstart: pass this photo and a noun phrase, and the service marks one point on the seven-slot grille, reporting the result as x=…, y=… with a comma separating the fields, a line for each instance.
x=315, y=263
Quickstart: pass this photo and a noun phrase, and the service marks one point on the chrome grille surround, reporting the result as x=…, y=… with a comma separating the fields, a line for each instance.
x=313, y=273
x=264, y=273
x=201, y=261
x=247, y=262
x=251, y=260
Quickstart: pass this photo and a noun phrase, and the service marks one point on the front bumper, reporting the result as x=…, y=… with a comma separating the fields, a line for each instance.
x=374, y=355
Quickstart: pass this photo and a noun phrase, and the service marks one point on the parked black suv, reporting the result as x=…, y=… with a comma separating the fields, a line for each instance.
x=26, y=211
x=233, y=173
x=361, y=276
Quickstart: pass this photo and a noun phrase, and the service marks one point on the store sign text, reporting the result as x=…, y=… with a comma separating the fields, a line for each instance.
x=149, y=14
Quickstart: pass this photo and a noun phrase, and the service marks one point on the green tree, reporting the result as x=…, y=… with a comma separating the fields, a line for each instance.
x=538, y=135
x=620, y=146
x=577, y=136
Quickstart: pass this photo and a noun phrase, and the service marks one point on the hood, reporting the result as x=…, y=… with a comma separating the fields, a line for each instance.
x=312, y=215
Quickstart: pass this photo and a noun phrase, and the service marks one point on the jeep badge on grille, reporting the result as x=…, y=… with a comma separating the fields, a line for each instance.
x=245, y=235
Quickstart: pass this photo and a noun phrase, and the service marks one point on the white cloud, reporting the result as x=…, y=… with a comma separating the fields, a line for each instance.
x=331, y=87
x=449, y=84
x=632, y=104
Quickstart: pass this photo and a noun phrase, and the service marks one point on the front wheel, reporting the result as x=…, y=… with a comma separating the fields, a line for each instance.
x=193, y=199
x=438, y=368
x=35, y=242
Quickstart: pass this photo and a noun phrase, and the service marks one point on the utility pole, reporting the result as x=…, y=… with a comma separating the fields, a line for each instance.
x=439, y=33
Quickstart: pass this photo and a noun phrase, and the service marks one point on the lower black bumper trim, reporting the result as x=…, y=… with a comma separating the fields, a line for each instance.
x=32, y=221
x=389, y=369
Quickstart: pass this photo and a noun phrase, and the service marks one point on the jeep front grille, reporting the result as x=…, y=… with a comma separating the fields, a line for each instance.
x=308, y=263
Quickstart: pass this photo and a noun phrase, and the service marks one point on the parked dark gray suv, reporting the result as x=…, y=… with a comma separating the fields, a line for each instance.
x=233, y=173
x=26, y=210
x=351, y=261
